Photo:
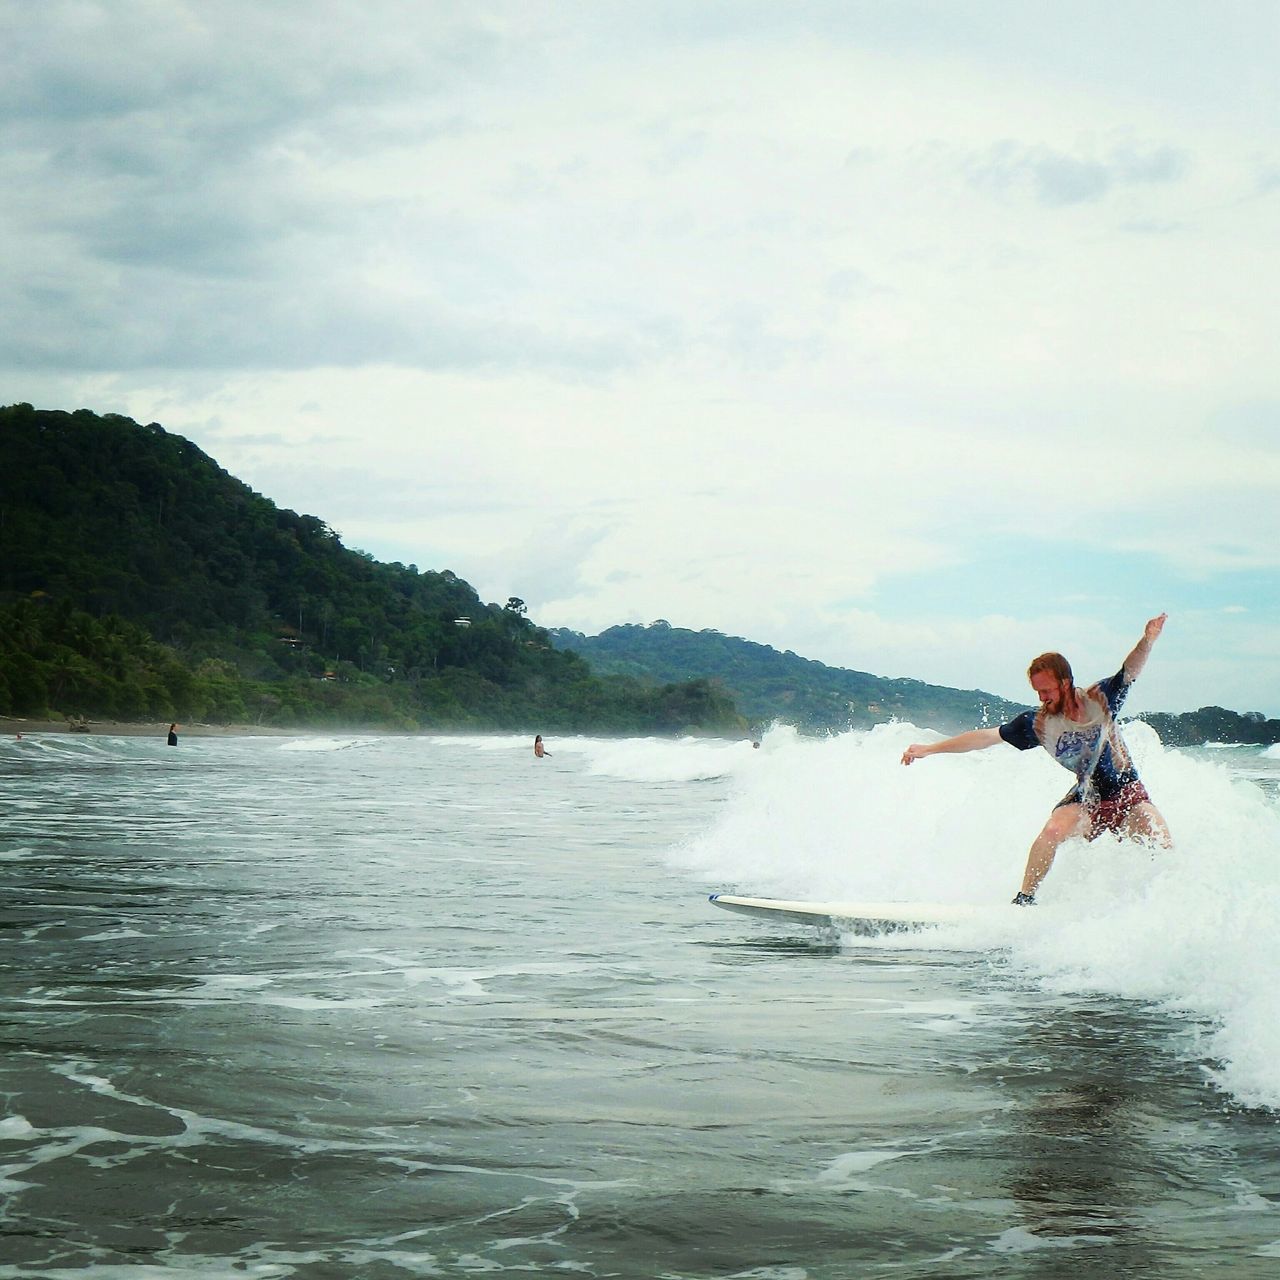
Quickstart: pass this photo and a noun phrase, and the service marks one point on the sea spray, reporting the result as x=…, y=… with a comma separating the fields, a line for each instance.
x=1194, y=930
x=841, y=818
x=662, y=759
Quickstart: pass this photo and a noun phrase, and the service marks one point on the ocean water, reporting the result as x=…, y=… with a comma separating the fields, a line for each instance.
x=377, y=1007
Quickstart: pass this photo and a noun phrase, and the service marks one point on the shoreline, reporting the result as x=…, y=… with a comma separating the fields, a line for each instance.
x=10, y=727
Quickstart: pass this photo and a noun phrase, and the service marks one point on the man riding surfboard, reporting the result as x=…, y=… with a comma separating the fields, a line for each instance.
x=1077, y=727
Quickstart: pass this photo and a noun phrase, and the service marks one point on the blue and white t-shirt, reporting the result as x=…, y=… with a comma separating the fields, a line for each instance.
x=1075, y=744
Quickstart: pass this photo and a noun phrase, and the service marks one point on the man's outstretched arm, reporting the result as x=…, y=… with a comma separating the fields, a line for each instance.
x=1137, y=659
x=974, y=740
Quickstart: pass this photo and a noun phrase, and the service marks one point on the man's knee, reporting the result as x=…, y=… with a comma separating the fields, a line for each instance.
x=1063, y=824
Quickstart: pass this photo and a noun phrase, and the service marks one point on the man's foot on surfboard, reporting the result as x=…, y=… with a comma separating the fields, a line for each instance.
x=1024, y=900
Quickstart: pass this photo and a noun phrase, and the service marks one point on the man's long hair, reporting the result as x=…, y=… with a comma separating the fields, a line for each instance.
x=1055, y=664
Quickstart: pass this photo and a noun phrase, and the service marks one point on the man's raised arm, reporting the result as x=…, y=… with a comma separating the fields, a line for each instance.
x=1137, y=659
x=974, y=740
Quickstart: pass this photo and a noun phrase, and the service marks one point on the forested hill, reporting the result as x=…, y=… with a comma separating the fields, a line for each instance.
x=138, y=579
x=768, y=685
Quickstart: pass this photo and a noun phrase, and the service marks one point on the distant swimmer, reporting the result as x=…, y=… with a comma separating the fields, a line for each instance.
x=538, y=749
x=173, y=735
x=1077, y=727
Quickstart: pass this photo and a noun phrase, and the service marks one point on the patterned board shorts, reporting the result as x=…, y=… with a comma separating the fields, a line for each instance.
x=1112, y=814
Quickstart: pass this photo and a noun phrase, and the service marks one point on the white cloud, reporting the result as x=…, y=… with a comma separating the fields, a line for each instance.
x=779, y=319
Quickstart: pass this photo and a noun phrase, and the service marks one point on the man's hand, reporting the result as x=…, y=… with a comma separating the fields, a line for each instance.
x=1151, y=632
x=916, y=751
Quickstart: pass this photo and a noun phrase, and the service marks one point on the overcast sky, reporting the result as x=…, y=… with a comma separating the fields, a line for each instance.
x=916, y=337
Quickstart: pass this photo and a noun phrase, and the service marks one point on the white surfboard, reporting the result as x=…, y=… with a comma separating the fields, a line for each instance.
x=856, y=917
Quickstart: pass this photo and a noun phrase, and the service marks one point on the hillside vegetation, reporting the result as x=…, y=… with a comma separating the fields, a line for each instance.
x=140, y=580
x=767, y=685
x=771, y=686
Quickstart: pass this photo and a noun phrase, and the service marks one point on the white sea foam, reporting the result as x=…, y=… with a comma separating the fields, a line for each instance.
x=1195, y=930
x=664, y=760
x=327, y=744
x=844, y=1173
x=234, y=984
x=631, y=759
x=1020, y=1240
x=843, y=1167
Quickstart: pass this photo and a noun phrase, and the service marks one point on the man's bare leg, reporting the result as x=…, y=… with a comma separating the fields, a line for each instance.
x=1146, y=823
x=1064, y=822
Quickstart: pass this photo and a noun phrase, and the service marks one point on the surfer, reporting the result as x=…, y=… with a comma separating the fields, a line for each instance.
x=538, y=749
x=173, y=735
x=1077, y=727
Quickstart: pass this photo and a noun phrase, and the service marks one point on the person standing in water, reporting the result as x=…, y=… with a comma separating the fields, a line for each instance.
x=1077, y=727
x=538, y=749
x=173, y=735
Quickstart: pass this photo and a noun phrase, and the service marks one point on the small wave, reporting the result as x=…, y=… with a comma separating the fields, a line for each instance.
x=667, y=760
x=1195, y=930
x=327, y=744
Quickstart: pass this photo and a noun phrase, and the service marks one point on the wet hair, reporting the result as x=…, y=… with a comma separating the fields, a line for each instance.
x=1055, y=664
